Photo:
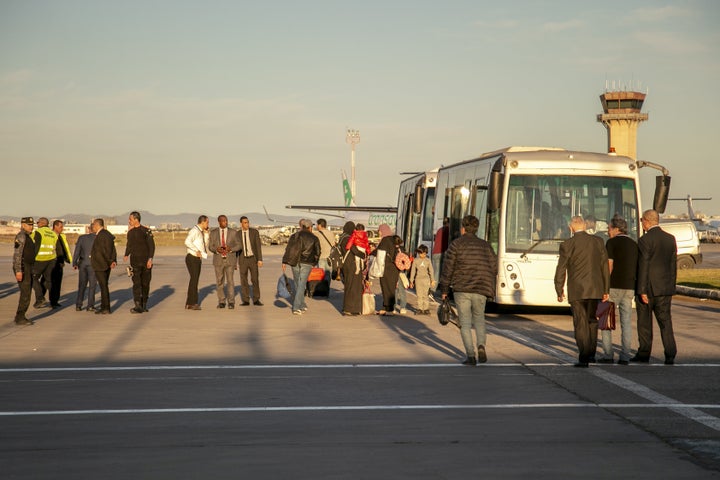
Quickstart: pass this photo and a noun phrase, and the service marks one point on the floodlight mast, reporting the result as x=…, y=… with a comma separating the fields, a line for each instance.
x=352, y=138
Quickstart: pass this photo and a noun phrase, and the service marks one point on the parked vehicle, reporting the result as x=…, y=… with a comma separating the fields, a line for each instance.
x=688, y=243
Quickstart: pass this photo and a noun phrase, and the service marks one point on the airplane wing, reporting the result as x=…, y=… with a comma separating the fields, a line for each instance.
x=344, y=208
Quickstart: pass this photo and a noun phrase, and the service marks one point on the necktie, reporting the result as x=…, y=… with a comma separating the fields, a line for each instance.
x=245, y=247
x=222, y=240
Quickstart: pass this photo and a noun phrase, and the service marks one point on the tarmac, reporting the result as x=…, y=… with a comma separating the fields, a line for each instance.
x=257, y=392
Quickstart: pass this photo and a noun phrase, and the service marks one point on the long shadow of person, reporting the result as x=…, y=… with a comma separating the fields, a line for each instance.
x=119, y=297
x=7, y=289
x=159, y=294
x=415, y=332
x=204, y=292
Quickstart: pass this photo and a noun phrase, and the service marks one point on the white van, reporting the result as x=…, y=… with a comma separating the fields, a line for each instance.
x=688, y=243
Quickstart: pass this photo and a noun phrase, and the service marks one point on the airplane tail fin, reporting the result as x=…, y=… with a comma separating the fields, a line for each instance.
x=347, y=193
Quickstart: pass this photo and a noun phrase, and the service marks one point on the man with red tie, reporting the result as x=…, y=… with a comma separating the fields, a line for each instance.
x=223, y=244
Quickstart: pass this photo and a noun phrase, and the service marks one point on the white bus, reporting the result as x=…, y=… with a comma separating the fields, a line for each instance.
x=524, y=198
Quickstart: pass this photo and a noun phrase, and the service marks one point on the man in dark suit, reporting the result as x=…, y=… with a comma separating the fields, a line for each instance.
x=86, y=275
x=657, y=272
x=584, y=258
x=103, y=258
x=249, y=261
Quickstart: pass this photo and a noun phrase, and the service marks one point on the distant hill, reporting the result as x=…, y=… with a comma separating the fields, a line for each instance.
x=187, y=220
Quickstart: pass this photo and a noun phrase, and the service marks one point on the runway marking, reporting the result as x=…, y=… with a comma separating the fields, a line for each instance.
x=335, y=408
x=640, y=390
x=566, y=362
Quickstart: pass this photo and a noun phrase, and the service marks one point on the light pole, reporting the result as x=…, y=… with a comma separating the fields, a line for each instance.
x=353, y=138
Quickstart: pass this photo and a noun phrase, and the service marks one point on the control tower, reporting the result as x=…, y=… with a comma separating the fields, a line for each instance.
x=621, y=117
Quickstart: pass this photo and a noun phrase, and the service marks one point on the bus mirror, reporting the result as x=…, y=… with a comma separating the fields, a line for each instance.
x=418, y=200
x=662, y=190
x=494, y=191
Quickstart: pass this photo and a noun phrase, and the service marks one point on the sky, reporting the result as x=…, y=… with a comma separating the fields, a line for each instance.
x=173, y=106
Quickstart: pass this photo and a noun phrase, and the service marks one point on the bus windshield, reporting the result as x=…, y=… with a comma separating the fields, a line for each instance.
x=539, y=208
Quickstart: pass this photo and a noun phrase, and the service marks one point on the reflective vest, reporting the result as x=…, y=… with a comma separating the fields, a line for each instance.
x=48, y=240
x=67, y=247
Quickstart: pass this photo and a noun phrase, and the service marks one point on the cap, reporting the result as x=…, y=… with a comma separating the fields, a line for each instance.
x=28, y=220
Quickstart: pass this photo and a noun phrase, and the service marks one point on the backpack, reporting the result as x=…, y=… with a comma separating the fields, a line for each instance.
x=337, y=258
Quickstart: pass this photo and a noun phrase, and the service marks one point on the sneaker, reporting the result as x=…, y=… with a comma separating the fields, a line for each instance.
x=482, y=356
x=403, y=311
x=470, y=361
x=297, y=312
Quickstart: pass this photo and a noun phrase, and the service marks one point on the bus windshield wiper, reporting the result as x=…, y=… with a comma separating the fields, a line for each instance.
x=543, y=240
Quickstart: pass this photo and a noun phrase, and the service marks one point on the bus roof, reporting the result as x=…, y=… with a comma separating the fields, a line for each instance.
x=537, y=157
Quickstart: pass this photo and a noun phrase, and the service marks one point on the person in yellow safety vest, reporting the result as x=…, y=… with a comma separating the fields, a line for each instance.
x=63, y=256
x=45, y=254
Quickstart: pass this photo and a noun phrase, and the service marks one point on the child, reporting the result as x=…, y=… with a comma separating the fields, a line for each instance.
x=359, y=238
x=422, y=277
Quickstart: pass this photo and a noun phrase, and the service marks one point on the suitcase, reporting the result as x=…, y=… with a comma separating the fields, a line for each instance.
x=318, y=288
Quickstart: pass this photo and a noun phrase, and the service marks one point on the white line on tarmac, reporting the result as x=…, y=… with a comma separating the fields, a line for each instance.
x=640, y=390
x=335, y=408
x=550, y=351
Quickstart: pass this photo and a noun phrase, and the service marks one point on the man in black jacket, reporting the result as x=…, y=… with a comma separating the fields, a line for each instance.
x=584, y=259
x=141, y=249
x=470, y=269
x=103, y=258
x=302, y=253
x=23, y=260
x=657, y=273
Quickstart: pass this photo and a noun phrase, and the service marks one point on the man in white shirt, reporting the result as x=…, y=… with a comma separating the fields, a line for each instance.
x=223, y=244
x=196, y=244
x=327, y=240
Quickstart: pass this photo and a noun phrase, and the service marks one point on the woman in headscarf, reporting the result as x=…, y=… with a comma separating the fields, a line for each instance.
x=388, y=282
x=353, y=278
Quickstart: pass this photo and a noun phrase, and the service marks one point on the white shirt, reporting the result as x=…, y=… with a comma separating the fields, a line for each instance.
x=196, y=241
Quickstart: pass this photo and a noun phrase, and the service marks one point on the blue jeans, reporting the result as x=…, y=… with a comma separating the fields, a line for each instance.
x=324, y=263
x=301, y=271
x=623, y=300
x=400, y=295
x=471, y=313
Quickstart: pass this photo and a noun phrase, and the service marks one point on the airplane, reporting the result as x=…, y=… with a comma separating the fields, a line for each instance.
x=370, y=216
x=691, y=211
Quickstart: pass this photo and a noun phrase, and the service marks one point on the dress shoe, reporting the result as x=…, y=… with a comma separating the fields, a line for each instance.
x=24, y=321
x=581, y=364
x=193, y=307
x=231, y=306
x=55, y=305
x=258, y=303
x=136, y=310
x=623, y=362
x=470, y=361
x=606, y=360
x=102, y=311
x=221, y=305
x=592, y=360
x=669, y=360
x=482, y=356
x=245, y=304
x=639, y=359
x=90, y=309
x=78, y=308
x=42, y=304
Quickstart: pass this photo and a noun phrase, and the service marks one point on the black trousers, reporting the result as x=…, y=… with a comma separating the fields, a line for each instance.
x=141, y=283
x=194, y=264
x=586, y=327
x=245, y=265
x=25, y=286
x=103, y=281
x=42, y=279
x=56, y=277
x=660, y=306
x=86, y=277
